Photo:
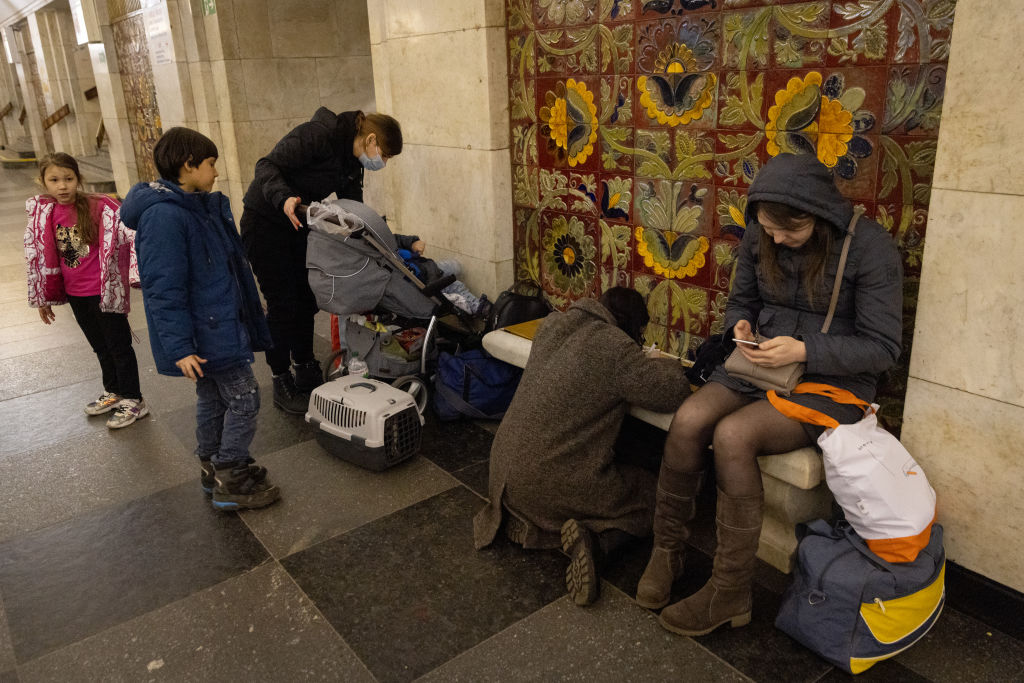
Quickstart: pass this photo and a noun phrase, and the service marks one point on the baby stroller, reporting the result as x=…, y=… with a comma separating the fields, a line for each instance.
x=392, y=320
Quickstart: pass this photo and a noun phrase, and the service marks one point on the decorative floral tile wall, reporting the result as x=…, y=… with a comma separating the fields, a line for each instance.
x=638, y=125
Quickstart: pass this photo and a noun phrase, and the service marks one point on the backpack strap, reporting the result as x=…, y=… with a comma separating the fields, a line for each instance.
x=801, y=413
x=857, y=213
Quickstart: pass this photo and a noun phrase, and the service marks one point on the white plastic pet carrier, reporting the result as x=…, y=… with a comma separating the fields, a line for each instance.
x=366, y=422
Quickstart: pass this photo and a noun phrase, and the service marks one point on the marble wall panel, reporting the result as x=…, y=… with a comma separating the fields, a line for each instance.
x=969, y=446
x=970, y=309
x=980, y=143
x=308, y=28
x=466, y=209
x=346, y=83
x=438, y=101
x=404, y=19
x=280, y=88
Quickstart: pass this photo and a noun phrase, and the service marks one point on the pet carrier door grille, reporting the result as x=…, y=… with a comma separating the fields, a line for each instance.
x=339, y=414
x=402, y=435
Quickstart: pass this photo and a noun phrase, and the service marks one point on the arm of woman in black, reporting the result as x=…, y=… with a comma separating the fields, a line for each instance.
x=306, y=144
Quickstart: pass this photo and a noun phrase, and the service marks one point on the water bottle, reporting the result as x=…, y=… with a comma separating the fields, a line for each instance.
x=357, y=366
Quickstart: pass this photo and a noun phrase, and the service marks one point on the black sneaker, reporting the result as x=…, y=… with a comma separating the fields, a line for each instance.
x=243, y=488
x=308, y=376
x=208, y=478
x=287, y=396
x=581, y=575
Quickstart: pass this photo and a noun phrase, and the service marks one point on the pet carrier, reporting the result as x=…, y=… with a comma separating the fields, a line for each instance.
x=365, y=422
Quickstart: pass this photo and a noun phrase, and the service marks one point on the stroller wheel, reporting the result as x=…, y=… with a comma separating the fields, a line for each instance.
x=334, y=366
x=415, y=387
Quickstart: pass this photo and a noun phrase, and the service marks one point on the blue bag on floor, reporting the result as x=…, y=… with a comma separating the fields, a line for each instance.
x=853, y=608
x=474, y=384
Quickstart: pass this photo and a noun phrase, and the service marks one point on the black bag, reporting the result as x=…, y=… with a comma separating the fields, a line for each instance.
x=521, y=302
x=709, y=356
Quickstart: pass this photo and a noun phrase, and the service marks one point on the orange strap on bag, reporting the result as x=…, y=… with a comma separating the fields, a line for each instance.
x=801, y=413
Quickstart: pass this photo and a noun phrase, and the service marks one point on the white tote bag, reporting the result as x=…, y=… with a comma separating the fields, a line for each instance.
x=883, y=491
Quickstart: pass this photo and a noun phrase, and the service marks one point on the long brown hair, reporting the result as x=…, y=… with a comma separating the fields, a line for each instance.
x=817, y=247
x=86, y=225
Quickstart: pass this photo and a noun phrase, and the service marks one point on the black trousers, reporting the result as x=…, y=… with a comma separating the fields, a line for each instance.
x=278, y=258
x=110, y=337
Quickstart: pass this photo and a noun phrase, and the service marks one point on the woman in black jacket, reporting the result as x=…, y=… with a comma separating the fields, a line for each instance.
x=326, y=154
x=796, y=225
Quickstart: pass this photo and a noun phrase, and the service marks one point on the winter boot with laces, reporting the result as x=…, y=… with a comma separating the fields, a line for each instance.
x=287, y=396
x=243, y=487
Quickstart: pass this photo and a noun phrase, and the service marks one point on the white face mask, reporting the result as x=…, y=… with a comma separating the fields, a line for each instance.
x=374, y=164
x=371, y=163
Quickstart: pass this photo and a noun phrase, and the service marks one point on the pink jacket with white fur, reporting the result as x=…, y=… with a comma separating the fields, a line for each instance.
x=119, y=269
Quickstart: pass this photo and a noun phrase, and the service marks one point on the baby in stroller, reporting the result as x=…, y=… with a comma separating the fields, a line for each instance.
x=357, y=272
x=428, y=271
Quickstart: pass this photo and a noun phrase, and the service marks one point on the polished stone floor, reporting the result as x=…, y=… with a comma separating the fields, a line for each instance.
x=114, y=566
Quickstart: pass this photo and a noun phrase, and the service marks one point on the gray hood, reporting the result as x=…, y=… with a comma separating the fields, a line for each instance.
x=803, y=182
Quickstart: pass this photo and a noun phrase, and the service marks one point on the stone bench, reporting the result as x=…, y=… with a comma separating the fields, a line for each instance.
x=794, y=486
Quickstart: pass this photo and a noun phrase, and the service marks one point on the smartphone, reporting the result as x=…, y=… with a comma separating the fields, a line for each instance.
x=748, y=343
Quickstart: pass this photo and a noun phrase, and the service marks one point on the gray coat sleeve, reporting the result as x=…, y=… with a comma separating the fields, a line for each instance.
x=745, y=298
x=878, y=309
x=658, y=384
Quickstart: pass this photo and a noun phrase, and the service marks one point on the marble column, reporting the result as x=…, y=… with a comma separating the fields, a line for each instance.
x=439, y=67
x=965, y=395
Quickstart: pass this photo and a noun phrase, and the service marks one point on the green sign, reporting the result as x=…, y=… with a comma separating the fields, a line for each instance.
x=209, y=7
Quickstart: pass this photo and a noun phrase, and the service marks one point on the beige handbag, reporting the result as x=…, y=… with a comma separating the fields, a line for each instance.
x=783, y=379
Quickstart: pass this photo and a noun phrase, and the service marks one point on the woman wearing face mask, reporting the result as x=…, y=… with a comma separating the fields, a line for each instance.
x=326, y=154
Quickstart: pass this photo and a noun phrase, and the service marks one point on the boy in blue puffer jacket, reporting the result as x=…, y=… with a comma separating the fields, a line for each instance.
x=204, y=313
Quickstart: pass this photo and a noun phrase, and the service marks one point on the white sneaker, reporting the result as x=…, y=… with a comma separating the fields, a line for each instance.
x=127, y=412
x=104, y=404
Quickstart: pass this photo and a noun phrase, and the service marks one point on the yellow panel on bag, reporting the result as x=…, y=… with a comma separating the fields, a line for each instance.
x=892, y=620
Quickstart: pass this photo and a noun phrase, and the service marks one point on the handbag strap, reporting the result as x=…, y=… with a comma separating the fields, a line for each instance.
x=857, y=213
x=802, y=413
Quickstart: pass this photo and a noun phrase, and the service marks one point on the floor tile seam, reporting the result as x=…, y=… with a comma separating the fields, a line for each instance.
x=90, y=511
x=490, y=638
x=369, y=521
x=327, y=621
x=126, y=622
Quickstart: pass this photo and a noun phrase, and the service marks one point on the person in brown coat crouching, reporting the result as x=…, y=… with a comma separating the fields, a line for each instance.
x=554, y=477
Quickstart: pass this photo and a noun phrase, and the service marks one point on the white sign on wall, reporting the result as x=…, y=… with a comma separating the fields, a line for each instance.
x=158, y=33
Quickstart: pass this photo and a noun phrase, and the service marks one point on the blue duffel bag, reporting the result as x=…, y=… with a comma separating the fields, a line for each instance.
x=853, y=608
x=473, y=384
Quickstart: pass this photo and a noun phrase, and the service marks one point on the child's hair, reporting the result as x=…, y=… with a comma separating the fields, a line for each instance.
x=387, y=129
x=179, y=145
x=629, y=310
x=818, y=247
x=86, y=225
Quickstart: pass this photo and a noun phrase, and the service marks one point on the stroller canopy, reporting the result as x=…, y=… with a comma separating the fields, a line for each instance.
x=350, y=275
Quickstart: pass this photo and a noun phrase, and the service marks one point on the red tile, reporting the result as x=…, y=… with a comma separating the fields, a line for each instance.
x=922, y=33
x=730, y=207
x=615, y=100
x=862, y=38
x=738, y=157
x=746, y=39
x=799, y=35
x=522, y=100
x=570, y=254
x=914, y=96
x=525, y=188
x=522, y=55
x=560, y=13
x=722, y=257
x=739, y=105
x=617, y=43
x=613, y=140
x=615, y=198
x=617, y=11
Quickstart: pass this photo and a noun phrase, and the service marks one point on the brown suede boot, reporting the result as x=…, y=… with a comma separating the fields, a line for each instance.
x=675, y=506
x=727, y=596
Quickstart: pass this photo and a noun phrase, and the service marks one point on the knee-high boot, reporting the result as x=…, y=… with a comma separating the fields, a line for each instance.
x=727, y=596
x=675, y=506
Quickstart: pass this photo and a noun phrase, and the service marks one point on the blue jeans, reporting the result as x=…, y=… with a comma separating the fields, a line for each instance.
x=226, y=409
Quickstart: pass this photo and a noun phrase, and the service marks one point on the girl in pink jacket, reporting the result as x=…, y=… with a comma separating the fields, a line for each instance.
x=78, y=252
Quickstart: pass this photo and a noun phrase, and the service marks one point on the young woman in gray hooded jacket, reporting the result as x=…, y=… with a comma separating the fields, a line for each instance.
x=796, y=224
